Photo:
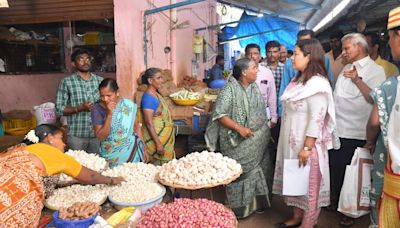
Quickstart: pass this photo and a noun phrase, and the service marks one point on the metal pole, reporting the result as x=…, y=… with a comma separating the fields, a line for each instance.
x=156, y=10
x=250, y=35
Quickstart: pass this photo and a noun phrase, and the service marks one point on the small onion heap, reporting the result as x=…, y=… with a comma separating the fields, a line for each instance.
x=133, y=172
x=66, y=197
x=91, y=161
x=200, y=169
x=79, y=211
x=189, y=213
x=135, y=192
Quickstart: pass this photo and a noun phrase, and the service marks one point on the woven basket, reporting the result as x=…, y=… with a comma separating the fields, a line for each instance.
x=196, y=187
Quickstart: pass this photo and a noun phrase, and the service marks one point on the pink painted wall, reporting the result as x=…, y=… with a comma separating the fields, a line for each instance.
x=128, y=19
x=26, y=91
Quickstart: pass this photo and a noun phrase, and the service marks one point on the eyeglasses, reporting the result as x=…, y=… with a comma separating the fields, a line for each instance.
x=85, y=60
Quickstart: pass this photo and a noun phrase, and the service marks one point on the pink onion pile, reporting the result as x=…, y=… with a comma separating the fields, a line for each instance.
x=189, y=213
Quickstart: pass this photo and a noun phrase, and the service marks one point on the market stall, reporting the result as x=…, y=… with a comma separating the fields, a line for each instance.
x=138, y=201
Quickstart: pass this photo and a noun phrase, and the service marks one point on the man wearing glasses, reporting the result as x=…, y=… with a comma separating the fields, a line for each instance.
x=75, y=98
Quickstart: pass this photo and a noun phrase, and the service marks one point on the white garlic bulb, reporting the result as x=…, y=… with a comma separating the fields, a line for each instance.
x=135, y=192
x=91, y=161
x=65, y=197
x=134, y=172
x=200, y=169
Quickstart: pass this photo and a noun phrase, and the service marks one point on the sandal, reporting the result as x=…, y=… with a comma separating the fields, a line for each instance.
x=346, y=222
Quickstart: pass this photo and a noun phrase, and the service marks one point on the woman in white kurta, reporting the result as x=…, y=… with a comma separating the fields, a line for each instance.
x=308, y=121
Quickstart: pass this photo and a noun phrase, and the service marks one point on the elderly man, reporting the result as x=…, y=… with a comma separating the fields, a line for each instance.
x=374, y=44
x=353, y=105
x=389, y=215
x=75, y=98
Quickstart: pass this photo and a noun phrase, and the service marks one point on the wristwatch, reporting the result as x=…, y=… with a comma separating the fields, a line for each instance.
x=306, y=148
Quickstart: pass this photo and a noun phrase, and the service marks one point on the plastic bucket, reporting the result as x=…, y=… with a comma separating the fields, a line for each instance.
x=45, y=113
x=61, y=223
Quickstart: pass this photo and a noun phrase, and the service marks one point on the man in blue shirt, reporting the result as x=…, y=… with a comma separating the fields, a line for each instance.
x=289, y=72
x=217, y=71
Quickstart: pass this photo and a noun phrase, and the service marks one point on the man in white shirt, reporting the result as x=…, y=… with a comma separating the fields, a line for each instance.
x=353, y=105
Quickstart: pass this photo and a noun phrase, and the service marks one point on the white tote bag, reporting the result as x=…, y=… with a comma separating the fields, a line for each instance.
x=354, y=197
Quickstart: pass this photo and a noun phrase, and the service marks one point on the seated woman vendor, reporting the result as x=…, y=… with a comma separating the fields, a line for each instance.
x=21, y=171
x=115, y=124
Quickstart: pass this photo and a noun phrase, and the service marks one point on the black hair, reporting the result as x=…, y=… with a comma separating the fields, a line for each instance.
x=290, y=52
x=77, y=52
x=240, y=66
x=219, y=58
x=374, y=38
x=149, y=73
x=42, y=131
x=336, y=34
x=272, y=44
x=249, y=46
x=305, y=32
x=109, y=83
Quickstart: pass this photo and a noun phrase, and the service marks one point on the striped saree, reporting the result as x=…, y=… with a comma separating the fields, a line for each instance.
x=164, y=128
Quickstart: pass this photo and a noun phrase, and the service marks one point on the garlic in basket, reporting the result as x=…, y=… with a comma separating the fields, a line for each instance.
x=200, y=169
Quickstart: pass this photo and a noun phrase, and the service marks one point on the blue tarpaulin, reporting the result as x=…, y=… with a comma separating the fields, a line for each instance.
x=270, y=28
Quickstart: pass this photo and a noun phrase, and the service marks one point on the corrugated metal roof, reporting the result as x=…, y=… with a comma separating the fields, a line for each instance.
x=42, y=11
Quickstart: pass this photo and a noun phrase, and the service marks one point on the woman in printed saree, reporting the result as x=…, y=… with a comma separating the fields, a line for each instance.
x=158, y=132
x=306, y=133
x=239, y=129
x=115, y=124
x=21, y=171
x=389, y=210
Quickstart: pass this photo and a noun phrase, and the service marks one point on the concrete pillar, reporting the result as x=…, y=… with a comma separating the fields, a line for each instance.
x=129, y=45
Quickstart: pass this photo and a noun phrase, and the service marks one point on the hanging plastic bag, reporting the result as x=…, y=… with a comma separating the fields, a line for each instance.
x=45, y=113
x=354, y=196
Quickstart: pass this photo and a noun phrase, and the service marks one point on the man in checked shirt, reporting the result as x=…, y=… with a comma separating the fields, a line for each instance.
x=75, y=97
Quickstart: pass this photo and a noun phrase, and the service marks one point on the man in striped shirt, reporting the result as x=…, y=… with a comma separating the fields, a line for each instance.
x=75, y=98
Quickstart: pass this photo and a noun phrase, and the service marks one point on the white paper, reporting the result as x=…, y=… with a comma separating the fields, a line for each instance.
x=295, y=178
x=4, y=4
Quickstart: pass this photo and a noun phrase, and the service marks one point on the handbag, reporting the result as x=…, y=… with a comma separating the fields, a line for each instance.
x=354, y=196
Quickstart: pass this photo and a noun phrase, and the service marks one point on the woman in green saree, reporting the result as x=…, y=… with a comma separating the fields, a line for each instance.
x=158, y=130
x=239, y=130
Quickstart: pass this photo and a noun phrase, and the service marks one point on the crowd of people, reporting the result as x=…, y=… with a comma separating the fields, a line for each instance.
x=318, y=108
x=312, y=106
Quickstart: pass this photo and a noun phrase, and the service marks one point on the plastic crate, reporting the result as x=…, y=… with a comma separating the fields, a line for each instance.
x=18, y=126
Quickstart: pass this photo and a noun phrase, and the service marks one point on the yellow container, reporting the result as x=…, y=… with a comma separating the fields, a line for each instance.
x=186, y=102
x=91, y=38
x=18, y=126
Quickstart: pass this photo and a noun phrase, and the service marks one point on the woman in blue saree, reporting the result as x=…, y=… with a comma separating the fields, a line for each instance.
x=115, y=124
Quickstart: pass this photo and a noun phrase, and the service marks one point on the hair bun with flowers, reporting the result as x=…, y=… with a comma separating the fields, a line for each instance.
x=31, y=136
